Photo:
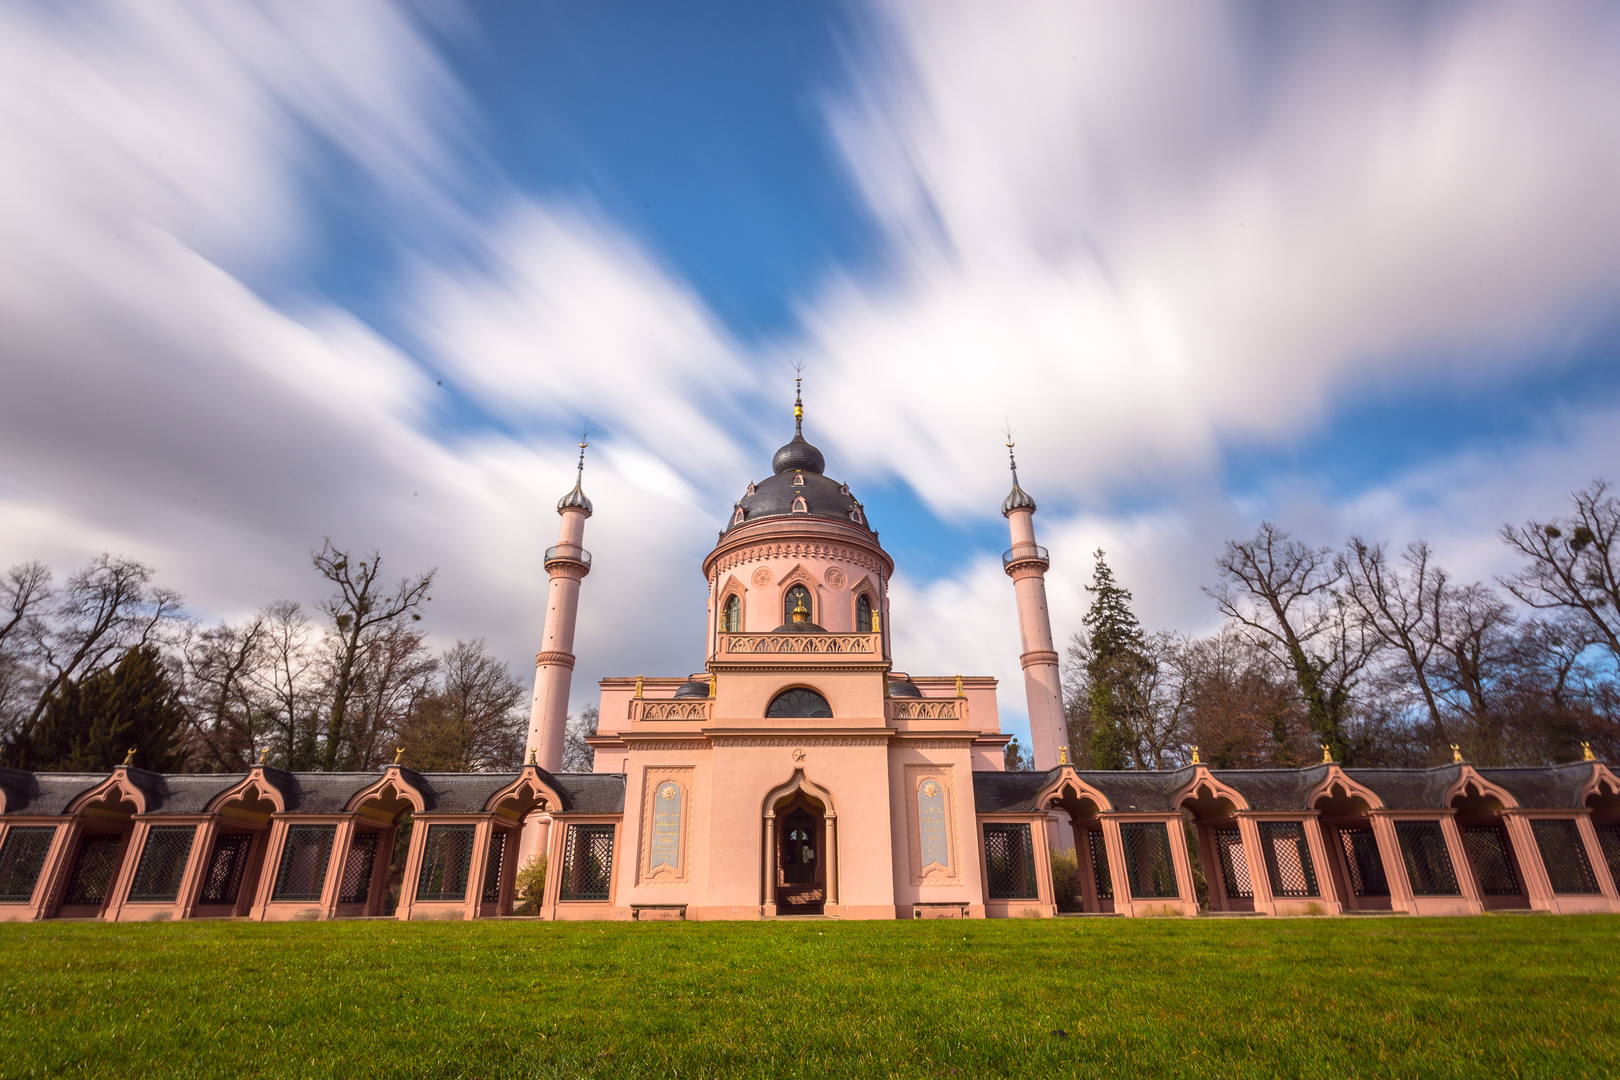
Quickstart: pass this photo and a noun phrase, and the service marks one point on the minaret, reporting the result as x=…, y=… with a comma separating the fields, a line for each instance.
x=1026, y=563
x=567, y=562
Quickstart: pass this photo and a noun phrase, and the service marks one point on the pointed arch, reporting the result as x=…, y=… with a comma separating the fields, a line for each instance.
x=730, y=590
x=799, y=576
x=1204, y=794
x=1066, y=784
x=1602, y=786
x=531, y=791
x=114, y=792
x=1337, y=788
x=1470, y=785
x=252, y=798
x=798, y=783
x=385, y=799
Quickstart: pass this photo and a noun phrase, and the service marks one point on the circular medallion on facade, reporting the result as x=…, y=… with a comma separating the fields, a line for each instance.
x=835, y=577
x=762, y=577
x=930, y=789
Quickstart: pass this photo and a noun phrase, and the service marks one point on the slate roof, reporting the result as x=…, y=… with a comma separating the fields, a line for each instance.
x=1273, y=789
x=1409, y=789
x=306, y=792
x=1546, y=787
x=797, y=469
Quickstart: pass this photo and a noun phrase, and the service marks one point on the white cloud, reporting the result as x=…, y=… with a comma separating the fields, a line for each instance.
x=1138, y=231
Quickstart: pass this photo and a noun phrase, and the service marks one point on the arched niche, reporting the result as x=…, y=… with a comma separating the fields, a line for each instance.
x=387, y=800
x=114, y=799
x=526, y=795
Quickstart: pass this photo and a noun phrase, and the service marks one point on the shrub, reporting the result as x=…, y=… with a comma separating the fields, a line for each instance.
x=530, y=886
x=1066, y=888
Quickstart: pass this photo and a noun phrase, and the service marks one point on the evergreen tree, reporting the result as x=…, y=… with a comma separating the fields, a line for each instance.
x=1114, y=667
x=91, y=724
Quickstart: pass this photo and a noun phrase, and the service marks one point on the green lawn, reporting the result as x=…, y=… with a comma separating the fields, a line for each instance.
x=1494, y=996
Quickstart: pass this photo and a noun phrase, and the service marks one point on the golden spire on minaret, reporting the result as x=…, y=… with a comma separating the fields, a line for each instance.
x=798, y=400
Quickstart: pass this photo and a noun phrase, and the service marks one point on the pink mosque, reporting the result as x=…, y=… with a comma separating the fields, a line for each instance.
x=799, y=773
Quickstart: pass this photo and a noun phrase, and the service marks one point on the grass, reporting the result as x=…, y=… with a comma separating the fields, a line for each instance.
x=1494, y=996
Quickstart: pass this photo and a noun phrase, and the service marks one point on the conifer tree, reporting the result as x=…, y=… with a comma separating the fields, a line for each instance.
x=91, y=724
x=1114, y=667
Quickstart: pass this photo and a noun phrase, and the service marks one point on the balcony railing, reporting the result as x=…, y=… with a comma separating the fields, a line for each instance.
x=1023, y=553
x=568, y=553
x=671, y=709
x=802, y=644
x=928, y=708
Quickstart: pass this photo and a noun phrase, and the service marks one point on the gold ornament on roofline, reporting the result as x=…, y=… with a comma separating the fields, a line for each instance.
x=1586, y=752
x=532, y=755
x=399, y=752
x=959, y=691
x=1063, y=755
x=1456, y=753
x=1327, y=754
x=1195, y=760
x=638, y=686
x=129, y=758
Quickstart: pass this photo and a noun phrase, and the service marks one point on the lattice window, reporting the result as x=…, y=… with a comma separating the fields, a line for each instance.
x=798, y=703
x=1009, y=861
x=93, y=871
x=587, y=863
x=1234, y=866
x=1609, y=840
x=1288, y=858
x=358, y=864
x=1147, y=859
x=1487, y=848
x=1564, y=856
x=163, y=864
x=225, y=867
x=21, y=859
x=1364, y=862
x=1099, y=864
x=446, y=862
x=1428, y=863
x=304, y=861
x=493, y=865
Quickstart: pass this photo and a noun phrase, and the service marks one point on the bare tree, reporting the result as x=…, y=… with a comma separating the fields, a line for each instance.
x=104, y=610
x=471, y=720
x=394, y=675
x=284, y=684
x=1572, y=562
x=1243, y=707
x=25, y=592
x=357, y=608
x=578, y=755
x=1286, y=597
x=219, y=663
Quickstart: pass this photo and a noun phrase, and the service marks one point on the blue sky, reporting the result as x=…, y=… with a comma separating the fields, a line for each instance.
x=272, y=274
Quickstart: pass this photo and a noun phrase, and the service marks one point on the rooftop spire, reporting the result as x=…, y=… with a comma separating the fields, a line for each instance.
x=798, y=402
x=576, y=499
x=1017, y=498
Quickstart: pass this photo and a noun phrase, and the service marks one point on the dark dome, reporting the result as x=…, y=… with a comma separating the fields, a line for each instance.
x=799, y=628
x=903, y=688
x=775, y=496
x=693, y=689
x=799, y=456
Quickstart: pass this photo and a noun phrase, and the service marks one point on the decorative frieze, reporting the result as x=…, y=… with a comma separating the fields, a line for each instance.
x=687, y=709
x=925, y=709
x=799, y=644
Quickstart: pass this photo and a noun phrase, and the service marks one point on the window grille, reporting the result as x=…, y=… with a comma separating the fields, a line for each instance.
x=1288, y=858
x=163, y=864
x=863, y=615
x=493, y=865
x=1364, y=862
x=587, y=862
x=1099, y=864
x=21, y=859
x=1564, y=856
x=1609, y=841
x=446, y=862
x=798, y=703
x=304, y=859
x=225, y=866
x=1147, y=858
x=357, y=867
x=1487, y=849
x=1234, y=867
x=94, y=870
x=1009, y=861
x=1428, y=863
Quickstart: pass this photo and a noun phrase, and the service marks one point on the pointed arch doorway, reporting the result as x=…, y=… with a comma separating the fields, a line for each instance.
x=801, y=842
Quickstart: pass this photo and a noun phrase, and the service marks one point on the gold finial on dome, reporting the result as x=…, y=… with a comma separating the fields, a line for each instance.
x=798, y=398
x=800, y=613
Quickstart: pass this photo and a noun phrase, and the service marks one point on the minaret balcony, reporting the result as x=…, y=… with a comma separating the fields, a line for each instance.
x=1024, y=553
x=567, y=553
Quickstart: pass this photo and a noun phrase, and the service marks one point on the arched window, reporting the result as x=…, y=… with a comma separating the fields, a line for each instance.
x=799, y=704
x=863, y=615
x=731, y=615
x=799, y=505
x=737, y=518
x=798, y=479
x=797, y=596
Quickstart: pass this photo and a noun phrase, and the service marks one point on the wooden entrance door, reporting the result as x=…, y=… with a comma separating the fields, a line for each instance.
x=800, y=874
